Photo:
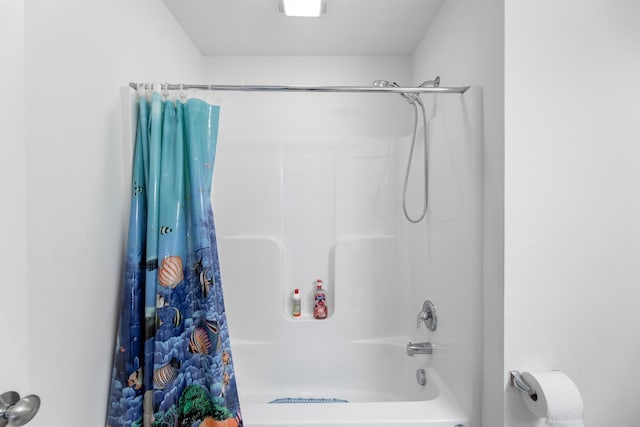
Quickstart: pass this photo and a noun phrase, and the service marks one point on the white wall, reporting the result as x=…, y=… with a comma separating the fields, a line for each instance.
x=78, y=54
x=572, y=201
x=14, y=312
x=464, y=45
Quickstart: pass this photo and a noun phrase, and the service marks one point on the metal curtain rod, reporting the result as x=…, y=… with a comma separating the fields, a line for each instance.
x=278, y=88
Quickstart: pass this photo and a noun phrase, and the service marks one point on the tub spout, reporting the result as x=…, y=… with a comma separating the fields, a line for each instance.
x=419, y=348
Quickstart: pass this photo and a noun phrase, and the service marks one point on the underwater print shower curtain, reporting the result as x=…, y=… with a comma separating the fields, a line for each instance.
x=173, y=364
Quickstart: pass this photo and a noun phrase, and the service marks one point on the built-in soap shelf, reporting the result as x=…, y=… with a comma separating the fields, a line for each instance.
x=307, y=318
x=307, y=302
x=257, y=277
x=358, y=265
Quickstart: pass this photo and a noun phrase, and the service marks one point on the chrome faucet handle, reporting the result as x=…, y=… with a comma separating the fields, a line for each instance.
x=422, y=316
x=428, y=316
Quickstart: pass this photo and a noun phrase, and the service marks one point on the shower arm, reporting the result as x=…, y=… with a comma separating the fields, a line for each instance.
x=431, y=83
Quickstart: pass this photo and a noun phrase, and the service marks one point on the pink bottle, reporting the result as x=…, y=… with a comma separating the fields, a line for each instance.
x=320, y=309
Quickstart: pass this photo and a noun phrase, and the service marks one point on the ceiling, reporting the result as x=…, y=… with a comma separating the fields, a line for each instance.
x=350, y=27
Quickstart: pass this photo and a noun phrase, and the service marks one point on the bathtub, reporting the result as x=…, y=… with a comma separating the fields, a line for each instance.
x=377, y=378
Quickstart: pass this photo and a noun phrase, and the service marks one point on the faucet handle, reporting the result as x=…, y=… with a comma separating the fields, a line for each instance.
x=428, y=316
x=422, y=316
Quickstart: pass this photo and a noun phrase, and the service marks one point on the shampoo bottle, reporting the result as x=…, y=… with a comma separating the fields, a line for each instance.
x=295, y=303
x=320, y=309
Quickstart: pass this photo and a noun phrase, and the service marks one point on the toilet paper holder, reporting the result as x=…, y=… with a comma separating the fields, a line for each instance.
x=516, y=380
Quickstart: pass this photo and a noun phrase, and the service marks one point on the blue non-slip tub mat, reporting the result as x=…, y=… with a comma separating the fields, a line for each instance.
x=308, y=400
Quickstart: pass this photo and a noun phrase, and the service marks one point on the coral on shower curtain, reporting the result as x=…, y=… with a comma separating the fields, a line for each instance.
x=173, y=364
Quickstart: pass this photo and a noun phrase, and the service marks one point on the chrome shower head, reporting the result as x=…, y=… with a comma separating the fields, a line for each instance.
x=386, y=83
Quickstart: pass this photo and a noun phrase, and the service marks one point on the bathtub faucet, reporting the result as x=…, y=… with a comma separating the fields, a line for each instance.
x=419, y=348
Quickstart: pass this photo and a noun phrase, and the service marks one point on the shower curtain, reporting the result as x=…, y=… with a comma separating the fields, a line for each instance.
x=173, y=364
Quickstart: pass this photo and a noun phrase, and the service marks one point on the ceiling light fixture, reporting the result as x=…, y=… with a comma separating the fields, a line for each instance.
x=306, y=8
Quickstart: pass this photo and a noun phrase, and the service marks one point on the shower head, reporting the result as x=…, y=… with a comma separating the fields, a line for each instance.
x=386, y=83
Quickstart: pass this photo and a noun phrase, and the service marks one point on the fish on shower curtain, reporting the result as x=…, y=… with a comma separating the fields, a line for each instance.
x=173, y=364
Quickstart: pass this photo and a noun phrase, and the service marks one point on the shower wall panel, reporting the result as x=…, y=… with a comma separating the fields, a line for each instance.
x=441, y=257
x=303, y=202
x=306, y=171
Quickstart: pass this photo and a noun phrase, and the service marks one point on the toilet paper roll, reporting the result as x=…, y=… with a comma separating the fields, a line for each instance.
x=558, y=398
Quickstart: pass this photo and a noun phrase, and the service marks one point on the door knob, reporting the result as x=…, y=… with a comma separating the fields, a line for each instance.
x=15, y=411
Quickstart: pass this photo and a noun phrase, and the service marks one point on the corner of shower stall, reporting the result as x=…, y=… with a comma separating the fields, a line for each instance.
x=293, y=209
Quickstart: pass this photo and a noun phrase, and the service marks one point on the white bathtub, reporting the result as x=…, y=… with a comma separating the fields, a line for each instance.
x=376, y=377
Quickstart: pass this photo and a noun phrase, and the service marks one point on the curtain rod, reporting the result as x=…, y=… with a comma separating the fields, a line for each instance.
x=278, y=88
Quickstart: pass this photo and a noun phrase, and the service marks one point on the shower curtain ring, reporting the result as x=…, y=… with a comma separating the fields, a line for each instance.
x=182, y=94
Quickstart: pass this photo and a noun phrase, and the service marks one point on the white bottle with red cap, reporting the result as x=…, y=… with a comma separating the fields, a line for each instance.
x=320, y=309
x=295, y=303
